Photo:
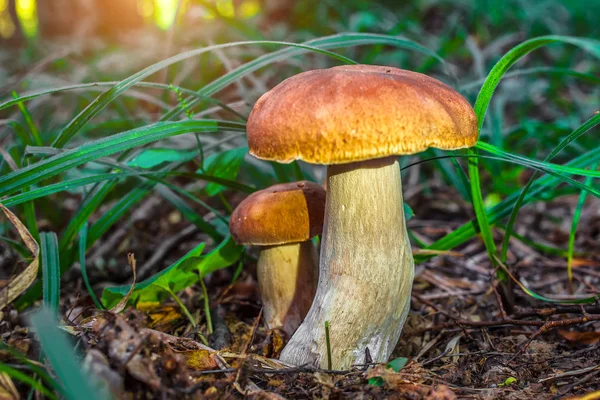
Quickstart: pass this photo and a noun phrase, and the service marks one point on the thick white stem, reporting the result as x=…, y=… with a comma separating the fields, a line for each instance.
x=287, y=281
x=366, y=269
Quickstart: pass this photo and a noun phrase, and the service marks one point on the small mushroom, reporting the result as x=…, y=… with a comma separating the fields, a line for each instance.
x=356, y=119
x=282, y=219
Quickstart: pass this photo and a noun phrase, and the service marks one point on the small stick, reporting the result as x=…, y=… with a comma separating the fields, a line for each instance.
x=254, y=329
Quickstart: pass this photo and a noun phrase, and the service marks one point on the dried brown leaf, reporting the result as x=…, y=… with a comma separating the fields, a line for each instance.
x=580, y=337
x=8, y=391
x=21, y=282
x=200, y=360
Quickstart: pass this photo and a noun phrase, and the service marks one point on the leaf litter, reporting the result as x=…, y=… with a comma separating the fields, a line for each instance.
x=456, y=343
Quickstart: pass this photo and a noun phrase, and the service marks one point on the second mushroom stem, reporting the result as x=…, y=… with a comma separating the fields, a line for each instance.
x=366, y=269
x=287, y=278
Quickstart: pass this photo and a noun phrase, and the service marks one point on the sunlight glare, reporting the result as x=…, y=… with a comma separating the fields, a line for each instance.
x=164, y=13
x=226, y=8
x=27, y=14
x=249, y=9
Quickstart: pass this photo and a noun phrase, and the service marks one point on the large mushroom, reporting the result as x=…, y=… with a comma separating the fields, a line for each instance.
x=355, y=119
x=282, y=219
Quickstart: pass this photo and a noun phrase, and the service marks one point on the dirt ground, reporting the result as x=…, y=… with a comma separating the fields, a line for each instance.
x=458, y=341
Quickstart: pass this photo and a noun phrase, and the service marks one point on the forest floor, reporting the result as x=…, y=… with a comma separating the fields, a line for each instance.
x=458, y=342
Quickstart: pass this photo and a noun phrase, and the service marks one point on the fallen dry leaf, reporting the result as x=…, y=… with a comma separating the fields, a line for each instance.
x=200, y=360
x=21, y=282
x=580, y=337
x=8, y=391
x=161, y=317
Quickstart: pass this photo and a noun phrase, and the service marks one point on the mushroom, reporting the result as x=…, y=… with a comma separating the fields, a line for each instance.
x=356, y=119
x=282, y=219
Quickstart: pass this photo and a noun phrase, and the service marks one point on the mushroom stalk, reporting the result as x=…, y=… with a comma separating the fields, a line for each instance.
x=287, y=278
x=366, y=269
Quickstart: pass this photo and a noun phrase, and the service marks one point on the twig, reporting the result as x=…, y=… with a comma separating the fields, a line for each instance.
x=253, y=334
x=581, y=381
x=434, y=359
x=549, y=325
x=570, y=373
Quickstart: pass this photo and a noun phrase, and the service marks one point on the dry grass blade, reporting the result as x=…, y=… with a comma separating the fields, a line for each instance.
x=7, y=387
x=21, y=282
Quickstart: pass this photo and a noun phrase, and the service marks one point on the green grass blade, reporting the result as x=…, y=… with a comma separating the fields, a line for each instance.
x=117, y=211
x=31, y=365
x=86, y=209
x=50, y=270
x=33, y=383
x=482, y=103
x=509, y=59
x=101, y=87
x=61, y=356
x=68, y=159
x=531, y=293
x=536, y=70
x=478, y=205
x=107, y=177
x=100, y=102
x=503, y=209
x=18, y=247
x=342, y=40
x=33, y=130
x=574, y=223
x=585, y=127
x=542, y=165
x=82, y=249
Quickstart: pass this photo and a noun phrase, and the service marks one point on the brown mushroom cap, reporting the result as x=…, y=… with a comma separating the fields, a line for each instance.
x=284, y=213
x=358, y=112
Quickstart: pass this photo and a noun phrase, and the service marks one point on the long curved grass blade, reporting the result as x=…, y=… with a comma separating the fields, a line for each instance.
x=60, y=353
x=50, y=270
x=335, y=41
x=54, y=165
x=503, y=209
x=105, y=98
x=482, y=103
x=102, y=85
x=522, y=161
x=16, y=246
x=543, y=165
x=536, y=70
x=529, y=292
x=509, y=59
x=574, y=223
x=103, y=224
x=79, y=182
x=33, y=130
x=84, y=212
x=585, y=127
